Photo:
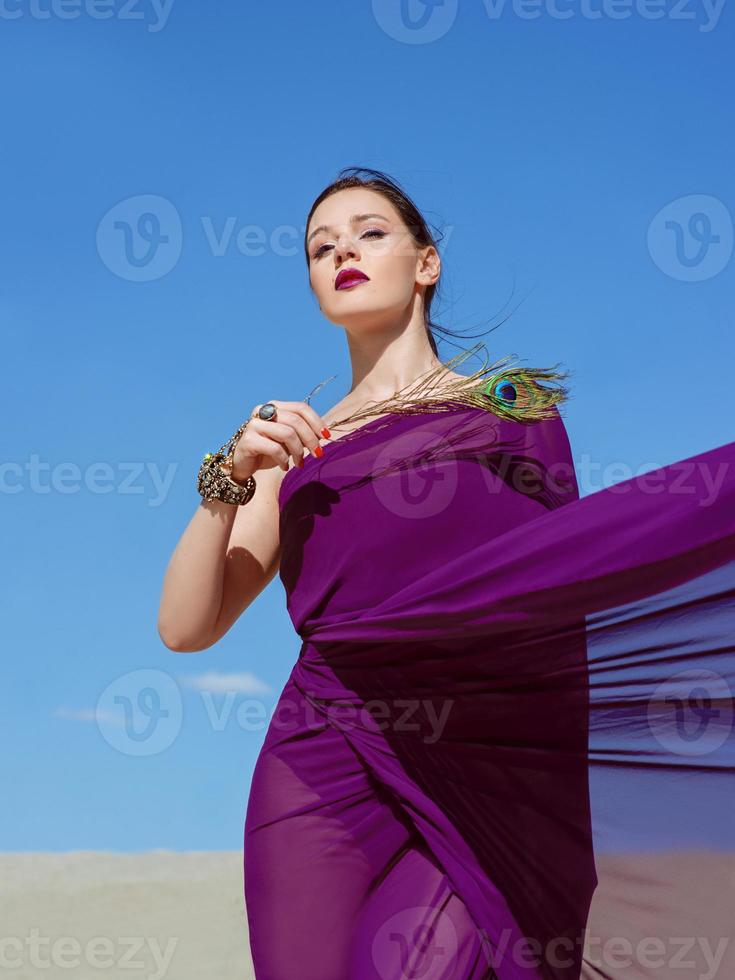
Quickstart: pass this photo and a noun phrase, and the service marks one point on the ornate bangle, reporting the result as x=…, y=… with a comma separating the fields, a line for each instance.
x=212, y=481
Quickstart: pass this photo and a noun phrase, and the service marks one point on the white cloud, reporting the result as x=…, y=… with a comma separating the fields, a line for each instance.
x=218, y=683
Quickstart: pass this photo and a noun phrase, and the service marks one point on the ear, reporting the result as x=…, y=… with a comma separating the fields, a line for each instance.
x=429, y=266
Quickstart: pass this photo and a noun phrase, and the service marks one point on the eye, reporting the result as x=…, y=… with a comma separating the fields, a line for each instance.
x=370, y=231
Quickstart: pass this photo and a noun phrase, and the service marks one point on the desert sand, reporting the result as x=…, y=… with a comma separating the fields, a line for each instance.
x=143, y=916
x=181, y=916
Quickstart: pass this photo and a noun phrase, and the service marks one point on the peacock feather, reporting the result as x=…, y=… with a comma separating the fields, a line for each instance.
x=511, y=392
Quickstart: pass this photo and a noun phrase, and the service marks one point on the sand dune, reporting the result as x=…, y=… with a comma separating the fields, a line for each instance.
x=181, y=916
x=147, y=916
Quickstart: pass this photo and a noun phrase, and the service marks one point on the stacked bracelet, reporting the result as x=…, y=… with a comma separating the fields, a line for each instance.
x=213, y=483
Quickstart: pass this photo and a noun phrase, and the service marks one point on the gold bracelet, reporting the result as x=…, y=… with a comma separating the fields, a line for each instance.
x=213, y=483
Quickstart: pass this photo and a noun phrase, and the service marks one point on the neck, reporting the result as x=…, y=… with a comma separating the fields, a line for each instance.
x=383, y=364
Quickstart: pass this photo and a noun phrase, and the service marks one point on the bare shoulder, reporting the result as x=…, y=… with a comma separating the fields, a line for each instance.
x=337, y=411
x=347, y=406
x=453, y=376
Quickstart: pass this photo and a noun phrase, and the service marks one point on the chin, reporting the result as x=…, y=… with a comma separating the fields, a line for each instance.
x=354, y=312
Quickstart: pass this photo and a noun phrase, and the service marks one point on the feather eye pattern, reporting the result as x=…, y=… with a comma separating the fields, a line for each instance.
x=511, y=392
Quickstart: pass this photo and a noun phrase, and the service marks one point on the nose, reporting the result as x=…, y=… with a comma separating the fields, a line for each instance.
x=345, y=247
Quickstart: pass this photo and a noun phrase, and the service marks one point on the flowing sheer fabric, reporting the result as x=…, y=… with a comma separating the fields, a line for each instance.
x=505, y=749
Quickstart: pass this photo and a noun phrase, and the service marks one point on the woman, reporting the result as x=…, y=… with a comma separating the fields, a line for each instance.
x=505, y=748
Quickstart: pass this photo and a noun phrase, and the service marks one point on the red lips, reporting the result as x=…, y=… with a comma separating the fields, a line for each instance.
x=347, y=277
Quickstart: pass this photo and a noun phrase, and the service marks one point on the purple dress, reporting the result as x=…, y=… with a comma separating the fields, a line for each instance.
x=505, y=749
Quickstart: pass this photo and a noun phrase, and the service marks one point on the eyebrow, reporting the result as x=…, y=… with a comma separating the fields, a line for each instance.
x=353, y=220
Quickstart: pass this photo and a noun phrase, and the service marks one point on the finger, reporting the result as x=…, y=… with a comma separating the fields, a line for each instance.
x=264, y=446
x=303, y=429
x=288, y=434
x=312, y=418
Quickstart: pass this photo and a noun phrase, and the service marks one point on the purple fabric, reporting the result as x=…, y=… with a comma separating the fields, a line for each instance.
x=505, y=749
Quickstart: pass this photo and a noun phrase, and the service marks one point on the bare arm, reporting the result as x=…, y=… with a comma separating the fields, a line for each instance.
x=229, y=553
x=222, y=562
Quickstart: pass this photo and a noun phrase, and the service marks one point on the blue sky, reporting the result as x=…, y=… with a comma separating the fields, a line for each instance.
x=581, y=163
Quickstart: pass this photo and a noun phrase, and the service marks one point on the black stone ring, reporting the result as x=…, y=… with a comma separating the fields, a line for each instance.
x=268, y=412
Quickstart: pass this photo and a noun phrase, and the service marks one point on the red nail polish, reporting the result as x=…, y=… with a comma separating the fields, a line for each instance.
x=318, y=451
x=326, y=433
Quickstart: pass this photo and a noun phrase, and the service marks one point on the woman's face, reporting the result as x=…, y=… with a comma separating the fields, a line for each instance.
x=364, y=231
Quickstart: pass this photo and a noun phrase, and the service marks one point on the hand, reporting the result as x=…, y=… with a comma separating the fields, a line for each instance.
x=265, y=444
